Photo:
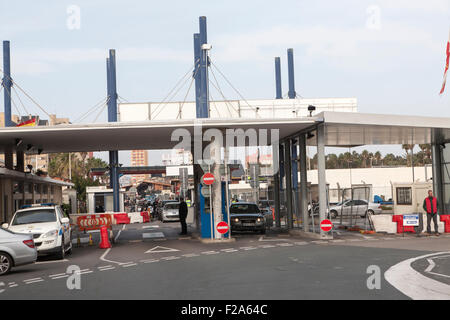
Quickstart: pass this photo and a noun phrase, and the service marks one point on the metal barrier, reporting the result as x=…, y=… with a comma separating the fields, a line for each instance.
x=353, y=210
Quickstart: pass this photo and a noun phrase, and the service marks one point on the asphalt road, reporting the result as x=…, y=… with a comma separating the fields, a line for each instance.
x=150, y=262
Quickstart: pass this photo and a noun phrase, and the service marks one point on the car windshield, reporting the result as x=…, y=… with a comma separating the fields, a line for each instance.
x=244, y=208
x=172, y=206
x=34, y=216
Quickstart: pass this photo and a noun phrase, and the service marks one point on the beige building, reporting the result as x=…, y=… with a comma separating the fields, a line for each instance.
x=139, y=158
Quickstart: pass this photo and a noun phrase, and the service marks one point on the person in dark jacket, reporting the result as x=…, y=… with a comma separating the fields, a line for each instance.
x=183, y=212
x=430, y=205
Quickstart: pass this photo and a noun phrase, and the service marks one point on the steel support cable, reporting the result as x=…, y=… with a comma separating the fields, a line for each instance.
x=185, y=97
x=26, y=94
x=222, y=94
x=170, y=99
x=189, y=89
x=20, y=100
x=227, y=103
x=176, y=85
x=92, y=109
x=231, y=85
x=97, y=107
x=12, y=100
x=214, y=104
x=101, y=110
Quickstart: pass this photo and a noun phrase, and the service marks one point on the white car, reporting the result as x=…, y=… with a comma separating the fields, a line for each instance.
x=49, y=226
x=355, y=207
x=170, y=212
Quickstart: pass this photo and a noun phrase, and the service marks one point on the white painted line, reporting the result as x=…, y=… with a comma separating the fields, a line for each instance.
x=102, y=267
x=229, y=250
x=430, y=266
x=152, y=235
x=159, y=249
x=13, y=285
x=106, y=269
x=271, y=239
x=322, y=241
x=190, y=255
x=209, y=252
x=32, y=279
x=265, y=246
x=129, y=265
x=149, y=227
x=118, y=234
x=337, y=240
x=248, y=248
x=415, y=285
x=84, y=272
x=149, y=260
x=53, y=261
x=170, y=258
x=57, y=275
x=285, y=244
x=60, y=277
x=301, y=243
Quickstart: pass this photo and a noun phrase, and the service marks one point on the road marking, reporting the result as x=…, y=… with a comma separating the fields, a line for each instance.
x=30, y=281
x=190, y=255
x=265, y=246
x=106, y=269
x=209, y=252
x=55, y=261
x=415, y=285
x=301, y=243
x=284, y=244
x=248, y=248
x=118, y=234
x=13, y=285
x=229, y=250
x=132, y=264
x=149, y=227
x=159, y=249
x=354, y=240
x=152, y=235
x=337, y=240
x=322, y=241
x=271, y=239
x=170, y=258
x=431, y=267
x=57, y=275
x=60, y=277
x=149, y=260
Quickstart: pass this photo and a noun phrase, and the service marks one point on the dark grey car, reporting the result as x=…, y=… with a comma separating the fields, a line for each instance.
x=15, y=250
x=246, y=216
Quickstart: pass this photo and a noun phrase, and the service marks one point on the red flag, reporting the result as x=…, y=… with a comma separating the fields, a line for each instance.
x=446, y=65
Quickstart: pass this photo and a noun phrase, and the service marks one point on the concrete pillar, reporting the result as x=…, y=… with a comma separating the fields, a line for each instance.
x=20, y=159
x=437, y=174
x=303, y=183
x=287, y=162
x=217, y=186
x=321, y=175
x=294, y=174
x=276, y=183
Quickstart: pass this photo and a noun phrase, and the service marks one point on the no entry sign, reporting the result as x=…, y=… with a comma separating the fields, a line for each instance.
x=222, y=227
x=326, y=225
x=208, y=179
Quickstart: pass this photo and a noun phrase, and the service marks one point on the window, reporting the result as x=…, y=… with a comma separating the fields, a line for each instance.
x=404, y=196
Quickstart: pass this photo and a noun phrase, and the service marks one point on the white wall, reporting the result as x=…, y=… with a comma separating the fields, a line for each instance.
x=379, y=178
x=272, y=108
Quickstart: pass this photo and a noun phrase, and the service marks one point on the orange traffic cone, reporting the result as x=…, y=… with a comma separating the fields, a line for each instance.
x=104, y=238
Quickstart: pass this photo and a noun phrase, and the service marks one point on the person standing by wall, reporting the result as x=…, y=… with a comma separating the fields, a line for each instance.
x=430, y=205
x=183, y=212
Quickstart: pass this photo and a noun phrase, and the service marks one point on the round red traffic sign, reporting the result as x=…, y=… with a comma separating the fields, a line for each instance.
x=326, y=225
x=208, y=179
x=222, y=227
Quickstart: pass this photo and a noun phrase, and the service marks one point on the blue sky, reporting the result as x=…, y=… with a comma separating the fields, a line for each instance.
x=392, y=65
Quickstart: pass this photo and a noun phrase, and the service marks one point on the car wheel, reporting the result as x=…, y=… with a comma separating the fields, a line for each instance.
x=62, y=251
x=5, y=263
x=333, y=214
x=370, y=211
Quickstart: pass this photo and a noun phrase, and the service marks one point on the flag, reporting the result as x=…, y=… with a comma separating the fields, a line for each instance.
x=446, y=65
x=28, y=123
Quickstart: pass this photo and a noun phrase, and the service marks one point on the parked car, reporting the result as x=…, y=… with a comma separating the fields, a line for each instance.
x=160, y=207
x=170, y=212
x=15, y=250
x=355, y=207
x=246, y=216
x=49, y=226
